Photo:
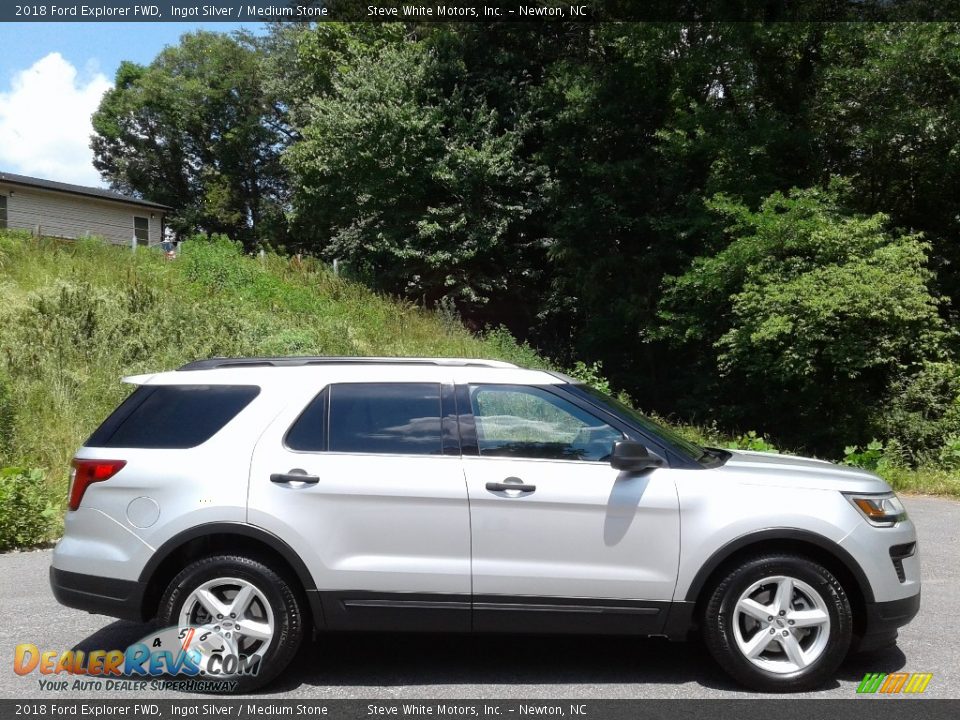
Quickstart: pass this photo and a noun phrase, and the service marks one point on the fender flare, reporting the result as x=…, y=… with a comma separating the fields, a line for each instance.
x=836, y=551
x=229, y=528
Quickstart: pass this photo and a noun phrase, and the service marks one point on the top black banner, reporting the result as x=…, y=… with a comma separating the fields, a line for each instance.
x=414, y=11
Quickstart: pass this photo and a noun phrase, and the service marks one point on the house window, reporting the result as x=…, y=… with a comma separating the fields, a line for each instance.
x=3, y=212
x=141, y=230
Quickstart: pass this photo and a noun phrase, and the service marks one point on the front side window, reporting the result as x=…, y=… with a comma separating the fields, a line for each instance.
x=141, y=230
x=391, y=418
x=528, y=422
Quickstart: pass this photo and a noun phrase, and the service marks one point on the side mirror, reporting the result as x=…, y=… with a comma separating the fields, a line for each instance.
x=630, y=456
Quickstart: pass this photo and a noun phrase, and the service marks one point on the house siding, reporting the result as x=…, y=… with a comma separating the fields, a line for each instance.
x=57, y=214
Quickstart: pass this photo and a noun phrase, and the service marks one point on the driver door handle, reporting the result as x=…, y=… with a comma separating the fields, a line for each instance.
x=498, y=486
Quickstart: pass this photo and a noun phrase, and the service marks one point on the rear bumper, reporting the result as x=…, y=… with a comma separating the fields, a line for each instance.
x=103, y=596
x=883, y=619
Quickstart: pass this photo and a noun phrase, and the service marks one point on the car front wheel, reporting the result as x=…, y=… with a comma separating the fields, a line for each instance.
x=778, y=623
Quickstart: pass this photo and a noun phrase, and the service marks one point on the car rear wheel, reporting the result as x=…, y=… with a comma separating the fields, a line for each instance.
x=252, y=612
x=778, y=623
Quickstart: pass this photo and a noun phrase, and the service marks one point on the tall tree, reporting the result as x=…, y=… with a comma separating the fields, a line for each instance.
x=195, y=130
x=414, y=181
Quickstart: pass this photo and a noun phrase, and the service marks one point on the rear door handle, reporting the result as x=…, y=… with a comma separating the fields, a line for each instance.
x=522, y=487
x=295, y=476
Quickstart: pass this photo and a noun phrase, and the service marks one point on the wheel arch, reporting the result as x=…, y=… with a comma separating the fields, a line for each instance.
x=228, y=537
x=791, y=540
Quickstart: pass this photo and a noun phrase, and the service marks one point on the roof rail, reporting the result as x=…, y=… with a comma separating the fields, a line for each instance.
x=304, y=360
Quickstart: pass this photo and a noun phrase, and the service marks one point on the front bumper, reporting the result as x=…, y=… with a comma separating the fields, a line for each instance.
x=882, y=620
x=104, y=596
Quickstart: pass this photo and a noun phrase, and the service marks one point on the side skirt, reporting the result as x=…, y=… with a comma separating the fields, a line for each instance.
x=434, y=612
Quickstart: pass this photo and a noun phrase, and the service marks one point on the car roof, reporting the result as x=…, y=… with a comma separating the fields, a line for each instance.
x=318, y=370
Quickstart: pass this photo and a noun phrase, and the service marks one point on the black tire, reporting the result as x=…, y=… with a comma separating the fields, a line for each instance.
x=289, y=621
x=719, y=618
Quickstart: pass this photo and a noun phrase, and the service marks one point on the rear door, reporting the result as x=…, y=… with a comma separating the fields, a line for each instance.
x=364, y=481
x=561, y=541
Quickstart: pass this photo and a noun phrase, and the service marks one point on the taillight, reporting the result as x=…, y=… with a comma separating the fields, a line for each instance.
x=87, y=472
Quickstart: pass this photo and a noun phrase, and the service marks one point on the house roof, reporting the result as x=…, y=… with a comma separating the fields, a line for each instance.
x=99, y=193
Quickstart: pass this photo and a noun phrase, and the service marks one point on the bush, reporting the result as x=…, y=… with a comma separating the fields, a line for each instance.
x=870, y=457
x=922, y=412
x=949, y=455
x=591, y=375
x=215, y=263
x=752, y=441
x=28, y=515
x=812, y=312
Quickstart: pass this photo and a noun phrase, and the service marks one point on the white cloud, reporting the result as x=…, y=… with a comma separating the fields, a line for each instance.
x=45, y=121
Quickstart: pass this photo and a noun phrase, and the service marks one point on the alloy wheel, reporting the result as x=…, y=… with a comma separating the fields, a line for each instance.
x=781, y=624
x=235, y=608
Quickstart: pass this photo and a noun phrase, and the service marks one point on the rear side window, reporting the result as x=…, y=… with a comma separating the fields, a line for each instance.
x=394, y=418
x=309, y=432
x=172, y=416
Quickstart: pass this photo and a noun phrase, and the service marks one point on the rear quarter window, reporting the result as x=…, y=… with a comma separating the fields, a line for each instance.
x=172, y=416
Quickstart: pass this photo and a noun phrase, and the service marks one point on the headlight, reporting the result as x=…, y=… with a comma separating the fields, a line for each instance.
x=879, y=510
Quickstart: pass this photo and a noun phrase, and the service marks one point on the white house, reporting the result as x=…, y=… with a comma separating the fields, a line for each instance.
x=56, y=209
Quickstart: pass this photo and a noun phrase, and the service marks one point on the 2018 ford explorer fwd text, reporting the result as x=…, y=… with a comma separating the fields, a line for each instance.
x=269, y=499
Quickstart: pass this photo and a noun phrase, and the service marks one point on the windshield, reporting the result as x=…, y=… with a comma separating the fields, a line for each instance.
x=671, y=436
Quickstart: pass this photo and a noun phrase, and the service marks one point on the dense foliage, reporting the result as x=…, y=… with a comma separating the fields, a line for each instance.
x=826, y=308
x=753, y=223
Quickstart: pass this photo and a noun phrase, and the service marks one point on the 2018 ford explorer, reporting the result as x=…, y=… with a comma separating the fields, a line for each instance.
x=269, y=499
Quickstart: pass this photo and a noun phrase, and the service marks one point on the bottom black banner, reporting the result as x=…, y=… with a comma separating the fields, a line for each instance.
x=874, y=708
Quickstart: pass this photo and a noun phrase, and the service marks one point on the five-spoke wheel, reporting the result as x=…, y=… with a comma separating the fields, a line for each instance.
x=235, y=608
x=778, y=622
x=781, y=624
x=254, y=608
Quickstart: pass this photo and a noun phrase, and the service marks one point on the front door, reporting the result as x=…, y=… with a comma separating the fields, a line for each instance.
x=365, y=483
x=562, y=541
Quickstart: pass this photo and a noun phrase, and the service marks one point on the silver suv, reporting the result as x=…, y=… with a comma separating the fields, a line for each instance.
x=267, y=499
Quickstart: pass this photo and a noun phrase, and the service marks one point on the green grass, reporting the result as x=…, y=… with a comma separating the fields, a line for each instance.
x=922, y=481
x=76, y=317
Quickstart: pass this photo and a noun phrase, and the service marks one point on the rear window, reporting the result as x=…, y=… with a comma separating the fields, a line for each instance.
x=172, y=416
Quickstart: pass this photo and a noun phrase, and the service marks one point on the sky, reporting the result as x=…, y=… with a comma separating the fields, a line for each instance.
x=52, y=76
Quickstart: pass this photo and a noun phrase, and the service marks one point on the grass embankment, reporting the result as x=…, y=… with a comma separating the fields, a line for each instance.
x=75, y=317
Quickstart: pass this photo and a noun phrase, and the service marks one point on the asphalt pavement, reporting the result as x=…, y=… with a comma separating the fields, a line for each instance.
x=379, y=666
